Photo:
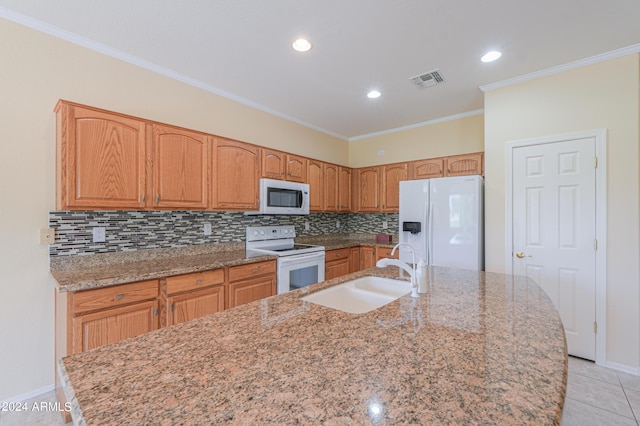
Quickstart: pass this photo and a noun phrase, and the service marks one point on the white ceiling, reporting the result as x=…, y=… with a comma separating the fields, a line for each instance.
x=242, y=48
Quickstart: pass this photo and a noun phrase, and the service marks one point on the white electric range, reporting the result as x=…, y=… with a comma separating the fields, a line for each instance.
x=299, y=265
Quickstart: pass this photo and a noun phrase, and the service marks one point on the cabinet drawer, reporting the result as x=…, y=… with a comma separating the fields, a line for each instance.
x=108, y=297
x=195, y=280
x=338, y=254
x=237, y=273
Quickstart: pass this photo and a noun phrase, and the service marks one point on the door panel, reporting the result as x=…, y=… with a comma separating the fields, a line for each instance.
x=554, y=231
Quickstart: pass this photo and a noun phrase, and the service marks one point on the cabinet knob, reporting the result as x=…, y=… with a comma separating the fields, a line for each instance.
x=155, y=312
x=119, y=296
x=338, y=254
x=255, y=271
x=157, y=198
x=198, y=281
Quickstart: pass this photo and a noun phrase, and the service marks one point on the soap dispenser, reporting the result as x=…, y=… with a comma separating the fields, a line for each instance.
x=421, y=276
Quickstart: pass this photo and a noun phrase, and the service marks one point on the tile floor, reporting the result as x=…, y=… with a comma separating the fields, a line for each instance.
x=595, y=396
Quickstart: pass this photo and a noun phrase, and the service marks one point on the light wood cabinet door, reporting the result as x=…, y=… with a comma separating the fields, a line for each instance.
x=367, y=257
x=369, y=189
x=273, y=164
x=101, y=328
x=344, y=189
x=180, y=168
x=382, y=252
x=426, y=169
x=463, y=165
x=195, y=304
x=315, y=179
x=331, y=187
x=101, y=159
x=296, y=168
x=336, y=269
x=236, y=175
x=246, y=291
x=354, y=259
x=392, y=175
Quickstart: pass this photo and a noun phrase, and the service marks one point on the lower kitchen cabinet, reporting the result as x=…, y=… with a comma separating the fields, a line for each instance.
x=191, y=296
x=367, y=257
x=382, y=252
x=107, y=315
x=251, y=282
x=336, y=263
x=101, y=328
x=354, y=259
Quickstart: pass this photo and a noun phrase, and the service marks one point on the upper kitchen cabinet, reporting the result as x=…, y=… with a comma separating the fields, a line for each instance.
x=315, y=179
x=331, y=173
x=180, y=168
x=368, y=189
x=280, y=165
x=236, y=175
x=392, y=175
x=426, y=169
x=273, y=164
x=462, y=165
x=296, y=168
x=344, y=189
x=101, y=159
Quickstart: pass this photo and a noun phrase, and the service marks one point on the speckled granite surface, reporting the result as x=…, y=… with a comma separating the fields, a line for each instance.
x=479, y=348
x=101, y=270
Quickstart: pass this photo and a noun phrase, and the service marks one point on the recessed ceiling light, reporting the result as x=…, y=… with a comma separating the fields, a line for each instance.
x=302, y=45
x=491, y=56
x=373, y=94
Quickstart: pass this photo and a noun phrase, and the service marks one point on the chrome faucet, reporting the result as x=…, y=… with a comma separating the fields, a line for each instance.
x=410, y=270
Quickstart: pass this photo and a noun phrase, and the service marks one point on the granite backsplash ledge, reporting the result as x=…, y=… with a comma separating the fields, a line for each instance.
x=128, y=231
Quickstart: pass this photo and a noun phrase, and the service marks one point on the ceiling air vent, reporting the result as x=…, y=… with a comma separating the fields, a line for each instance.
x=428, y=79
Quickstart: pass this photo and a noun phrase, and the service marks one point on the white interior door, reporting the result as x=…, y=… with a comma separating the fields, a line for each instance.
x=554, y=231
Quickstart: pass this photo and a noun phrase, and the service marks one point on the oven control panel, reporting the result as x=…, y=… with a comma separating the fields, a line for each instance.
x=261, y=233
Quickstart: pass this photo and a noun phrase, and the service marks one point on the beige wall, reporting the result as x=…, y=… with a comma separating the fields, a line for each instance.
x=35, y=71
x=459, y=136
x=603, y=95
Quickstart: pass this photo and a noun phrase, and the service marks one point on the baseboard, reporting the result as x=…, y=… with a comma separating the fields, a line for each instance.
x=29, y=395
x=624, y=368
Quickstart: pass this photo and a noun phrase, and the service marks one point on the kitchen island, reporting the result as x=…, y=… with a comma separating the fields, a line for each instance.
x=479, y=348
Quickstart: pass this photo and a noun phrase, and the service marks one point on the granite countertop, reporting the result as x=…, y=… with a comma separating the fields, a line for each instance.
x=478, y=348
x=102, y=270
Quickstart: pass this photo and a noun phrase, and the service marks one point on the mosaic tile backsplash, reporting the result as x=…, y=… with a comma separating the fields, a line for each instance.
x=139, y=230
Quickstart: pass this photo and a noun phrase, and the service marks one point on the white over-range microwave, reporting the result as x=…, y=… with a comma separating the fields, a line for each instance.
x=283, y=197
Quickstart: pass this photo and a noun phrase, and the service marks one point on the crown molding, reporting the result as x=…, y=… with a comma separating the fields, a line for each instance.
x=417, y=125
x=562, y=68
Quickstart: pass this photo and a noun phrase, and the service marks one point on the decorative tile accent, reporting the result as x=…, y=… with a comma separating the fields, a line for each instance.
x=139, y=230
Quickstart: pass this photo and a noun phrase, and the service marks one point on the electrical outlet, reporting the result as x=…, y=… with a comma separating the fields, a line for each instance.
x=337, y=224
x=99, y=234
x=306, y=226
x=207, y=229
x=47, y=236
x=385, y=225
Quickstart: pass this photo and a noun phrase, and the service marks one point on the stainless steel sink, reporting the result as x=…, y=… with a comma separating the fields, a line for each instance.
x=360, y=295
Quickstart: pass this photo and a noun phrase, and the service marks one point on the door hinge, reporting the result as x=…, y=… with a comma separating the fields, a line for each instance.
x=595, y=327
x=595, y=162
x=595, y=244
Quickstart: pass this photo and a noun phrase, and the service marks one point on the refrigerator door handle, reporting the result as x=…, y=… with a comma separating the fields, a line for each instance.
x=430, y=236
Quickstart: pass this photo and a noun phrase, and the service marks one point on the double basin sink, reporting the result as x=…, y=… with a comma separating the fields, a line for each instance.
x=360, y=295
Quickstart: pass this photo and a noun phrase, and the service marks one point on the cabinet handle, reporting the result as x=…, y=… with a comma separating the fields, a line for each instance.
x=338, y=254
x=155, y=312
x=157, y=198
x=144, y=197
x=171, y=307
x=119, y=296
x=255, y=271
x=198, y=281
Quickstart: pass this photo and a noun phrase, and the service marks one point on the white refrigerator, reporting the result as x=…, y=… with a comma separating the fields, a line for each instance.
x=442, y=219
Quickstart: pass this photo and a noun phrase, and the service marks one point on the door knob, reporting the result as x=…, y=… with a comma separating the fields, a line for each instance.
x=520, y=255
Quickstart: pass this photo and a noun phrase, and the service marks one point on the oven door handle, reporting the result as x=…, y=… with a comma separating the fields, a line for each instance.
x=300, y=257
